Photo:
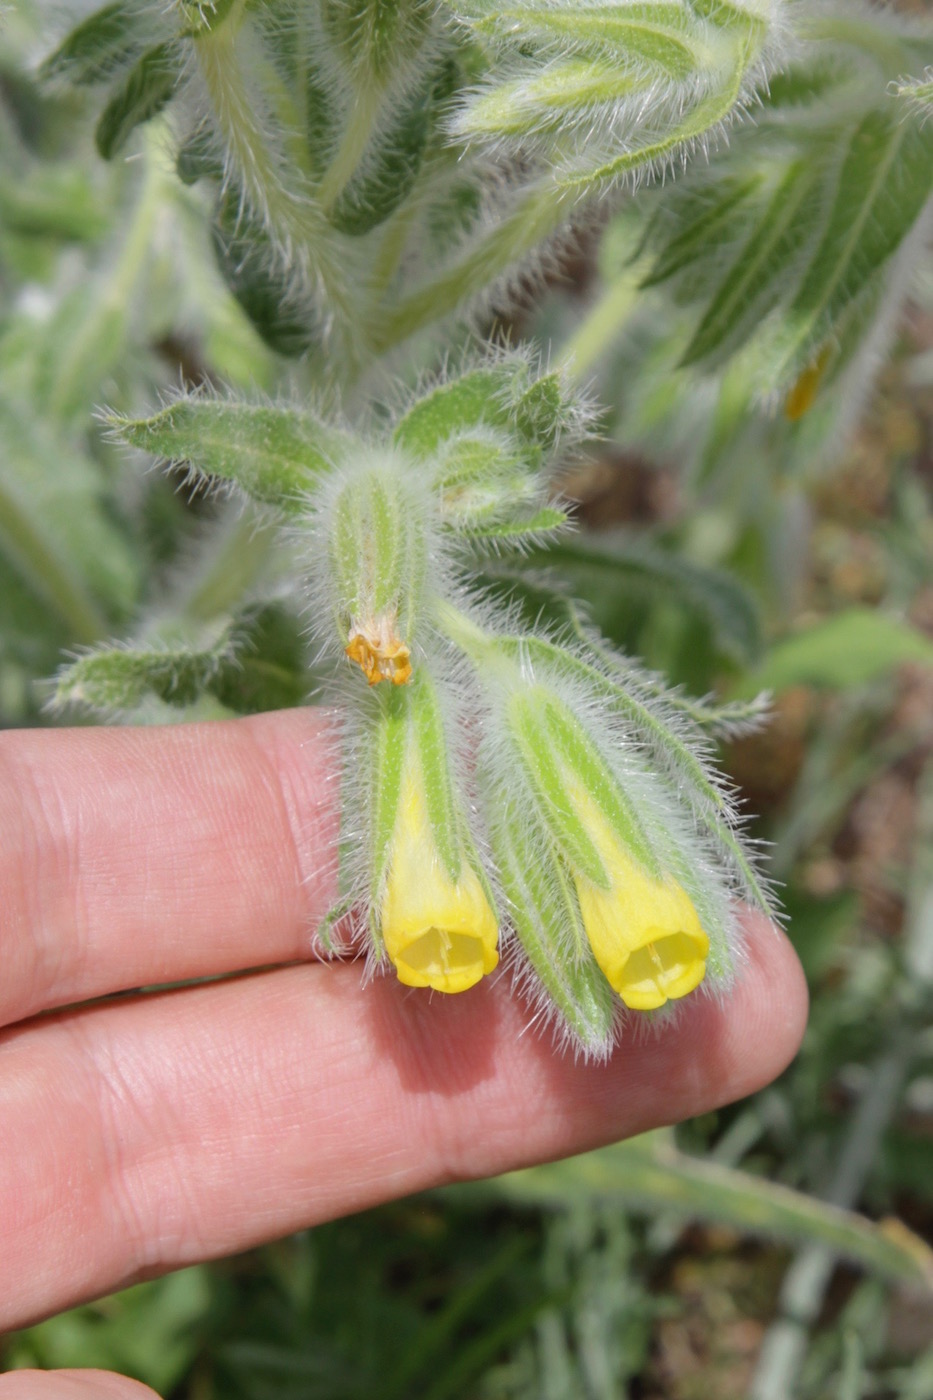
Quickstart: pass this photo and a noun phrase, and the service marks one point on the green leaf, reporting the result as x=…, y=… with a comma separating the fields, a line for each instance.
x=550, y=411
x=473, y=399
x=667, y=133
x=200, y=158
x=788, y=244
x=252, y=664
x=270, y=669
x=660, y=36
x=488, y=487
x=580, y=89
x=273, y=454
x=388, y=168
x=853, y=648
x=119, y=680
x=699, y=220
x=103, y=45
x=757, y=279
x=529, y=530
x=603, y=568
x=648, y=1173
x=376, y=37
x=542, y=411
x=147, y=89
x=884, y=182
x=546, y=102
x=287, y=321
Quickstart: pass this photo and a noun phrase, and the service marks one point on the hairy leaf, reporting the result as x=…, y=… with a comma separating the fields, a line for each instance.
x=105, y=44
x=883, y=184
x=273, y=454
x=147, y=89
x=118, y=679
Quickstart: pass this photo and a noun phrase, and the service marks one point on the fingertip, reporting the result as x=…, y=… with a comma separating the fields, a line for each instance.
x=771, y=1004
x=72, y=1385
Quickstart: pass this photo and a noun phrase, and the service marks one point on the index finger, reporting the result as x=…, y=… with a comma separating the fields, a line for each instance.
x=131, y=857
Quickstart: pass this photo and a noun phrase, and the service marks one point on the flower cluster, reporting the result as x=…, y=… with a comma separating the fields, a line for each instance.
x=512, y=794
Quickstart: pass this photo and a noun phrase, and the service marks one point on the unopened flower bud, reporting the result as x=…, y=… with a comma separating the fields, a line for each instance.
x=376, y=541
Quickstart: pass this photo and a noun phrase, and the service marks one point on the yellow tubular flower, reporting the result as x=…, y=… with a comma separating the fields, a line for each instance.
x=438, y=932
x=645, y=933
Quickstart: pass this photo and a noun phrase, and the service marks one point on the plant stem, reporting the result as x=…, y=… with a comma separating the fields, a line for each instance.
x=600, y=327
x=539, y=213
x=231, y=571
x=293, y=216
x=40, y=564
x=805, y=1283
x=363, y=113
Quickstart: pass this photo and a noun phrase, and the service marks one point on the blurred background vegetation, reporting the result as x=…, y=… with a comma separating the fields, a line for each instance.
x=779, y=1247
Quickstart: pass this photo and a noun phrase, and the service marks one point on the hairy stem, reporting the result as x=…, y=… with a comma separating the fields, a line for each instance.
x=600, y=327
x=295, y=221
x=539, y=213
x=359, y=128
x=39, y=562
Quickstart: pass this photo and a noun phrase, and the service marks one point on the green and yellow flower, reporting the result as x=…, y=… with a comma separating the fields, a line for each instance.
x=641, y=924
x=439, y=932
x=644, y=931
x=431, y=914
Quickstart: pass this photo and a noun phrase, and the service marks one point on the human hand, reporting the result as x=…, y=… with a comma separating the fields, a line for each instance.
x=146, y=1132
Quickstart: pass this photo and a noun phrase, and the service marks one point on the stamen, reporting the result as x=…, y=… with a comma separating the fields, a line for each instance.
x=379, y=651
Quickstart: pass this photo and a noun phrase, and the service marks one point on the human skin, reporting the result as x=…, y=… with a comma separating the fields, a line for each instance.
x=146, y=1132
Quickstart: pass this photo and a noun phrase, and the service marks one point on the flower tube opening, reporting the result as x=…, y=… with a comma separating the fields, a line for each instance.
x=646, y=936
x=448, y=962
x=644, y=930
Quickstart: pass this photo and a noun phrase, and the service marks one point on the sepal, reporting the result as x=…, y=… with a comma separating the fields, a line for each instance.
x=546, y=920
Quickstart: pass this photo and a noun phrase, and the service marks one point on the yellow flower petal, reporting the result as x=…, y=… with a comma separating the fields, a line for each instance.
x=646, y=937
x=645, y=933
x=438, y=932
